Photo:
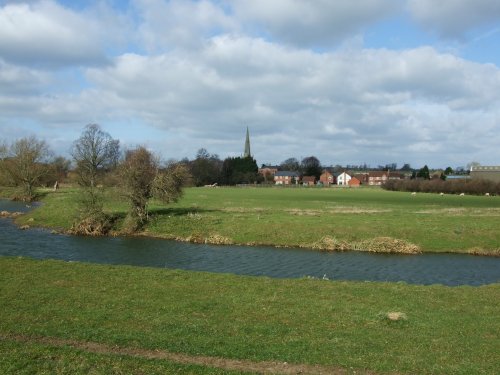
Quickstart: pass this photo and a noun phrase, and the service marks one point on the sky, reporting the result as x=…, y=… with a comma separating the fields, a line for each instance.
x=350, y=82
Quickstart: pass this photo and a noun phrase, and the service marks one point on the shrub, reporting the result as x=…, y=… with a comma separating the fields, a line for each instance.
x=472, y=187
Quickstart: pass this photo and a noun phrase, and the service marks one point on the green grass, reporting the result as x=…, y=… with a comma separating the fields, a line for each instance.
x=447, y=330
x=301, y=217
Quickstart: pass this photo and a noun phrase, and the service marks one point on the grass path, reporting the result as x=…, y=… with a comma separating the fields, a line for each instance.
x=266, y=367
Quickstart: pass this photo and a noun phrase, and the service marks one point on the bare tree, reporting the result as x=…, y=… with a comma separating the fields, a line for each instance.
x=94, y=153
x=3, y=150
x=290, y=164
x=27, y=162
x=4, y=177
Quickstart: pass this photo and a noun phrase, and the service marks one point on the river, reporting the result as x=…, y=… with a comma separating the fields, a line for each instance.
x=446, y=269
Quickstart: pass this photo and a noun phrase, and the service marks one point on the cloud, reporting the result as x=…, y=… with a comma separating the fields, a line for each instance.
x=164, y=25
x=203, y=77
x=373, y=99
x=306, y=23
x=454, y=18
x=18, y=80
x=46, y=34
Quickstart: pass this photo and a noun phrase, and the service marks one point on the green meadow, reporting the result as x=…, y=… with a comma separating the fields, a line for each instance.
x=63, y=317
x=303, y=217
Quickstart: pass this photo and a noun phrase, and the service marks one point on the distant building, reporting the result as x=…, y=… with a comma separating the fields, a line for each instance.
x=377, y=178
x=286, y=178
x=343, y=178
x=362, y=177
x=327, y=178
x=485, y=173
x=354, y=182
x=268, y=170
x=309, y=180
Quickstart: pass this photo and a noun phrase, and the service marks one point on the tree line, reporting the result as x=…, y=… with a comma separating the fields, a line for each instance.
x=98, y=163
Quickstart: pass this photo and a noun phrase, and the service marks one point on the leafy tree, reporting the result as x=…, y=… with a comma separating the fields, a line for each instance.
x=206, y=168
x=240, y=170
x=311, y=166
x=424, y=173
x=169, y=181
x=27, y=163
x=137, y=173
x=142, y=180
x=290, y=164
x=406, y=168
x=448, y=171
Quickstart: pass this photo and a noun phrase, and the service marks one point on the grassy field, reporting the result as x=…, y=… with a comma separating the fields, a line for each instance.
x=337, y=325
x=306, y=216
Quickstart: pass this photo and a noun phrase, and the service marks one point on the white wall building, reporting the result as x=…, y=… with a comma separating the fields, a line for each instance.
x=343, y=179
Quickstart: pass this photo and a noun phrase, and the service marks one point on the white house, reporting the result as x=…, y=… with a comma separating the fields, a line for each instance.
x=343, y=179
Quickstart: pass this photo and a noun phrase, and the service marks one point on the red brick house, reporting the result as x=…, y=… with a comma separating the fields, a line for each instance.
x=309, y=180
x=354, y=182
x=362, y=177
x=376, y=178
x=268, y=171
x=327, y=178
x=286, y=178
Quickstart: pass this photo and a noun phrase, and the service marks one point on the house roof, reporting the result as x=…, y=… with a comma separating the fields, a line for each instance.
x=309, y=179
x=286, y=173
x=480, y=168
x=378, y=173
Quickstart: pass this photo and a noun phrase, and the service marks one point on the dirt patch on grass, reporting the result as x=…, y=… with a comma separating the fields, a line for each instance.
x=335, y=211
x=243, y=209
x=461, y=211
x=375, y=245
x=266, y=367
x=300, y=212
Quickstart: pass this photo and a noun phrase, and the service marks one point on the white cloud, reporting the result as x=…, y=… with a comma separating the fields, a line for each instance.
x=179, y=23
x=17, y=80
x=454, y=18
x=47, y=34
x=312, y=23
x=373, y=99
x=202, y=78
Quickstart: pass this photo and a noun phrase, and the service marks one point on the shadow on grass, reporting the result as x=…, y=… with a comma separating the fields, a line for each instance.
x=177, y=211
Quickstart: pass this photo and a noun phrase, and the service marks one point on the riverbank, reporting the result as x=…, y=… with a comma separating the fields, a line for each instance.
x=54, y=313
x=324, y=219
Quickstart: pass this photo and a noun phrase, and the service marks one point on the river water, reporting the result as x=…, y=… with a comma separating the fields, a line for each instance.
x=446, y=269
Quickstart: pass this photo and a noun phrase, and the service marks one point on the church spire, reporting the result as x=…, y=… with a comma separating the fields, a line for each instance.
x=247, y=153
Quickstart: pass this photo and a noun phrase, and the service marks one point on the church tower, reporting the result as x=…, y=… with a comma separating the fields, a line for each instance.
x=247, y=153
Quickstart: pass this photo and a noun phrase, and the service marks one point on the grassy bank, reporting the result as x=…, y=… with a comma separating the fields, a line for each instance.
x=339, y=324
x=313, y=218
